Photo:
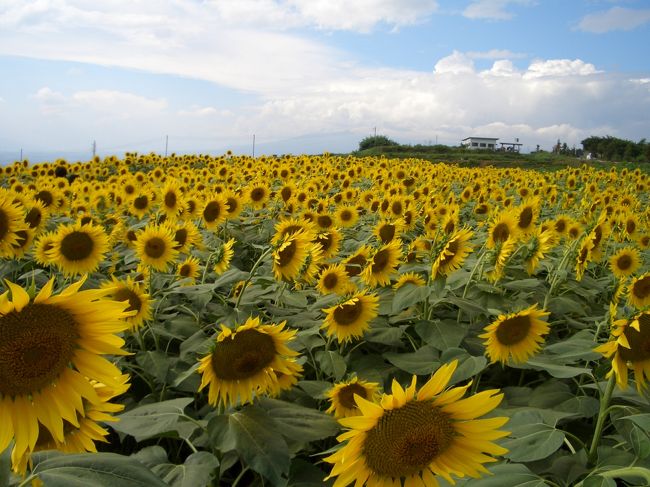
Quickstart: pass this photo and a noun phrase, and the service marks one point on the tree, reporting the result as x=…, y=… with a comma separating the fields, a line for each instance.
x=376, y=141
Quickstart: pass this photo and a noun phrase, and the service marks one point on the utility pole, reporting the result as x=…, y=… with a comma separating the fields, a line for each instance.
x=94, y=148
x=375, y=131
x=166, y=144
x=253, y=145
x=21, y=153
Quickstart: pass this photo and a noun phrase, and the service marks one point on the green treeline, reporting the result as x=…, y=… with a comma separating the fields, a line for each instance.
x=615, y=149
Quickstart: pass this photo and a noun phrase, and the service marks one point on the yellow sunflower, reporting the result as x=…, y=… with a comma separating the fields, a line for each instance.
x=418, y=436
x=453, y=254
x=24, y=240
x=290, y=257
x=630, y=346
x=171, y=199
x=155, y=246
x=288, y=226
x=214, y=211
x=244, y=362
x=383, y=264
x=186, y=236
x=11, y=221
x=139, y=302
x=584, y=257
x=257, y=194
x=36, y=215
x=188, y=269
x=330, y=241
x=286, y=381
x=387, y=230
x=409, y=278
x=223, y=258
x=43, y=244
x=625, y=262
x=517, y=336
x=50, y=347
x=78, y=249
x=351, y=318
x=541, y=243
x=356, y=263
x=638, y=292
x=333, y=279
x=346, y=216
x=341, y=396
x=140, y=204
x=503, y=228
x=526, y=215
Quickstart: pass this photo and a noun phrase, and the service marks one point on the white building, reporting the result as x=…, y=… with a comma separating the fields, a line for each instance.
x=488, y=143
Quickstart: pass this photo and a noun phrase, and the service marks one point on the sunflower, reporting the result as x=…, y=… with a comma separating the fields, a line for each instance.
x=224, y=256
x=214, y=211
x=341, y=396
x=517, y=335
x=78, y=249
x=346, y=216
x=25, y=237
x=36, y=215
x=630, y=346
x=171, y=199
x=355, y=264
x=334, y=279
x=625, y=262
x=43, y=244
x=11, y=221
x=383, y=264
x=351, y=318
x=245, y=362
x=638, y=292
x=290, y=257
x=50, y=347
x=186, y=236
x=140, y=204
x=526, y=215
x=453, y=254
x=286, y=381
x=329, y=241
x=313, y=263
x=188, y=269
x=416, y=436
x=503, y=227
x=387, y=230
x=132, y=291
x=81, y=437
x=409, y=278
x=234, y=204
x=293, y=225
x=539, y=246
x=155, y=246
x=257, y=194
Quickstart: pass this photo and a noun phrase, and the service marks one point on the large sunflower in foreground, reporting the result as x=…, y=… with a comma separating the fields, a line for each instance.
x=517, y=335
x=418, y=436
x=78, y=249
x=351, y=318
x=245, y=362
x=50, y=347
x=630, y=346
x=341, y=396
x=453, y=254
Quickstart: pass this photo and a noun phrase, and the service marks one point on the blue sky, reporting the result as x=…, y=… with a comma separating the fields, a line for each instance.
x=316, y=75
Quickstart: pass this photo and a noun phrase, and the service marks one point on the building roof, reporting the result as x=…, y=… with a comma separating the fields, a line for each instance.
x=482, y=138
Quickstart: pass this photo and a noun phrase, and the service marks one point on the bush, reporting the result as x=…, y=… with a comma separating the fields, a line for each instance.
x=376, y=141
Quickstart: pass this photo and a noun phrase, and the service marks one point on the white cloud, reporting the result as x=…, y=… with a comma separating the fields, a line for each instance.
x=492, y=9
x=616, y=18
x=455, y=63
x=495, y=54
x=199, y=111
x=560, y=67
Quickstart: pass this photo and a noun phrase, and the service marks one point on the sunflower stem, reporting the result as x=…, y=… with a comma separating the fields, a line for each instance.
x=602, y=416
x=251, y=274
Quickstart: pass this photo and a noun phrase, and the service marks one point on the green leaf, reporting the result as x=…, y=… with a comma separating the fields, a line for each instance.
x=422, y=362
x=331, y=363
x=598, y=481
x=508, y=475
x=468, y=365
x=154, y=419
x=5, y=466
x=151, y=456
x=155, y=363
x=468, y=306
x=96, y=469
x=547, y=363
x=306, y=474
x=198, y=471
x=533, y=442
x=408, y=295
x=315, y=388
x=441, y=334
x=299, y=422
x=255, y=437
x=386, y=335
x=635, y=432
x=522, y=284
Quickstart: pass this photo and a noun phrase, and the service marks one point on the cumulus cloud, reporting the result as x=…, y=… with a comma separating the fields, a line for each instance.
x=560, y=67
x=492, y=9
x=495, y=54
x=202, y=112
x=616, y=18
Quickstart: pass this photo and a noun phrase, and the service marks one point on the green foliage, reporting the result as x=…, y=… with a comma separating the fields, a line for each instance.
x=614, y=149
x=376, y=141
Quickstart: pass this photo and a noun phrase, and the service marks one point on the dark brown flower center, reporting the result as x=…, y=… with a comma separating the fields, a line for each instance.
x=324, y=221
x=170, y=199
x=380, y=261
x=500, y=232
x=180, y=237
x=242, y=355
x=4, y=224
x=347, y=313
x=525, y=218
x=346, y=395
x=639, y=341
x=641, y=288
x=185, y=270
x=330, y=280
x=155, y=247
x=33, y=218
x=355, y=264
x=36, y=345
x=387, y=232
x=560, y=226
x=124, y=294
x=513, y=330
x=406, y=440
x=449, y=253
x=325, y=240
x=258, y=194
x=624, y=262
x=141, y=203
x=211, y=211
x=77, y=246
x=286, y=253
x=46, y=197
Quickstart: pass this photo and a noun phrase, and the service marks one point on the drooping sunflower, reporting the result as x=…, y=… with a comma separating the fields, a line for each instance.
x=417, y=436
x=526, y=215
x=341, y=396
x=11, y=221
x=630, y=346
x=584, y=257
x=50, y=347
x=290, y=257
x=288, y=226
x=387, y=230
x=334, y=279
x=78, y=249
x=409, y=278
x=285, y=382
x=186, y=236
x=517, y=336
x=24, y=240
x=356, y=263
x=188, y=269
x=81, y=437
x=625, y=262
x=638, y=292
x=214, y=211
x=329, y=241
x=383, y=264
x=351, y=318
x=132, y=291
x=541, y=243
x=453, y=254
x=223, y=258
x=155, y=246
x=244, y=362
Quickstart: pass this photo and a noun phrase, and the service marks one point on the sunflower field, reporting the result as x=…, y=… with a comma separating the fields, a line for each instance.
x=302, y=321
